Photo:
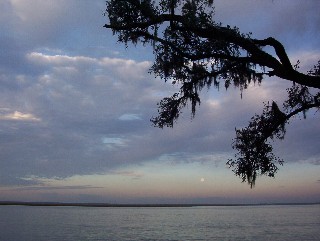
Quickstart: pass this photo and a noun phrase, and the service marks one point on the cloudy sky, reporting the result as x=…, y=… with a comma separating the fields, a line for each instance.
x=75, y=107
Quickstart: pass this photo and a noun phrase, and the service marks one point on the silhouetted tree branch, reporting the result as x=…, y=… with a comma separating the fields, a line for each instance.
x=194, y=51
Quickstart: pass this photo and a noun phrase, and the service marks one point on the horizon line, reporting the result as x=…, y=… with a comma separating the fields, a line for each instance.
x=101, y=204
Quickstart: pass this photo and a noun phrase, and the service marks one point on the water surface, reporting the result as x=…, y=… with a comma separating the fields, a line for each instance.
x=285, y=223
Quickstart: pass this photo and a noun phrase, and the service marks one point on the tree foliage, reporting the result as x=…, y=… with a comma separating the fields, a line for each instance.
x=195, y=52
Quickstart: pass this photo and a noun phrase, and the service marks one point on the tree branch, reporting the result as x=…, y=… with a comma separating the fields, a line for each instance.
x=280, y=51
x=281, y=69
x=194, y=51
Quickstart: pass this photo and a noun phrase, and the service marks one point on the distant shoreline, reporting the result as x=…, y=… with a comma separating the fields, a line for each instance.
x=62, y=204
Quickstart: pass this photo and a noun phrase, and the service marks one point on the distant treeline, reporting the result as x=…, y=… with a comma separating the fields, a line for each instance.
x=59, y=204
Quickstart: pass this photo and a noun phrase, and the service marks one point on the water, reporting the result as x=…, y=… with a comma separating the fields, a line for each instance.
x=20, y=223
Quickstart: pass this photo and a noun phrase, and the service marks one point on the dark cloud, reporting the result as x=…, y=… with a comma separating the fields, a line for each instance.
x=293, y=22
x=50, y=188
x=9, y=179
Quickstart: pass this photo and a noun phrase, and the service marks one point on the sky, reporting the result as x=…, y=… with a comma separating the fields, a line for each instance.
x=75, y=109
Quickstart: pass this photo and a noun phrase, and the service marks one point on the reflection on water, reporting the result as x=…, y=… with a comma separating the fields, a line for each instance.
x=283, y=223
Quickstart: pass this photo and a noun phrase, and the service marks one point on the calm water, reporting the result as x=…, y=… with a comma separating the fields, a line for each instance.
x=19, y=223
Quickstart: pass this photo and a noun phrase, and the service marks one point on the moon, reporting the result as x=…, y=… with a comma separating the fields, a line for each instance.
x=202, y=179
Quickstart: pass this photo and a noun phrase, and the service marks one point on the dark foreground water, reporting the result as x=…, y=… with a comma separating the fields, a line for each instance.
x=285, y=223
